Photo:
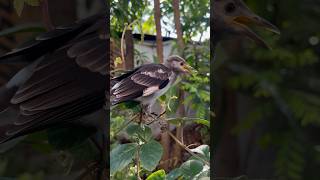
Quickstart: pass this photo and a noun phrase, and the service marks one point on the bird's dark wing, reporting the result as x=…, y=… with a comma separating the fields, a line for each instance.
x=144, y=81
x=52, y=40
x=68, y=82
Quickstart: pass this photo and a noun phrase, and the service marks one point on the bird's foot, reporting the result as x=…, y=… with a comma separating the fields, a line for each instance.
x=164, y=125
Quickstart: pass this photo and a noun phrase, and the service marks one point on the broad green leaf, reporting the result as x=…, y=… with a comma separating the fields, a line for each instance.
x=174, y=174
x=191, y=168
x=121, y=156
x=150, y=155
x=158, y=175
x=203, y=150
x=143, y=133
x=132, y=129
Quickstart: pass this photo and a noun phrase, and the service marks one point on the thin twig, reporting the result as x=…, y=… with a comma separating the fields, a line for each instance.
x=187, y=149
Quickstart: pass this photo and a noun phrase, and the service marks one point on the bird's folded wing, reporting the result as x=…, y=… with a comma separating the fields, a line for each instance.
x=143, y=82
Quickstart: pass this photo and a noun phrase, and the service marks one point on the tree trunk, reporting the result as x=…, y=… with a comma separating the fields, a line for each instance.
x=157, y=18
x=165, y=138
x=177, y=151
x=129, y=52
x=177, y=22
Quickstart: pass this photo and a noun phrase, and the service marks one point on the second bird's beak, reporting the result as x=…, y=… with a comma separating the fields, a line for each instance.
x=251, y=19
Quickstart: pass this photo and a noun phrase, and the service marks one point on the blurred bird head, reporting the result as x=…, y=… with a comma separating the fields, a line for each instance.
x=234, y=17
x=179, y=65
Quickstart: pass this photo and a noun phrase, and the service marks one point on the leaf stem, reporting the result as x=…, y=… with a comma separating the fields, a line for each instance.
x=138, y=162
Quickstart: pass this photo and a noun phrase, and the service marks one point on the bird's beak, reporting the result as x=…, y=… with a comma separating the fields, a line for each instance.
x=251, y=19
x=188, y=69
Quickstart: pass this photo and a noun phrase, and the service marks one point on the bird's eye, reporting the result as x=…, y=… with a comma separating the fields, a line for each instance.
x=181, y=64
x=230, y=8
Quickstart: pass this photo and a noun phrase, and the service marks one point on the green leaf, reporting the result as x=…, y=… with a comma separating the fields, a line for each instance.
x=191, y=168
x=203, y=150
x=18, y=6
x=174, y=174
x=150, y=155
x=158, y=175
x=203, y=122
x=121, y=156
x=143, y=133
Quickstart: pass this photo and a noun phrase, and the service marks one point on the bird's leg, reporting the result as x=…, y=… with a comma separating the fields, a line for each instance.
x=161, y=114
x=142, y=109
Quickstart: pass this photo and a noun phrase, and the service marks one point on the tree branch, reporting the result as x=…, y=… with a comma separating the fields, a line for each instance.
x=157, y=19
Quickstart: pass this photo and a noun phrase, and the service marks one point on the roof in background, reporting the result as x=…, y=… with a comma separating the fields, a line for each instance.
x=148, y=37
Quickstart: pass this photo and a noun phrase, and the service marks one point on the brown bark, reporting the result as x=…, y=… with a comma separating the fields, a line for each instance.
x=157, y=18
x=165, y=138
x=129, y=52
x=177, y=22
x=177, y=151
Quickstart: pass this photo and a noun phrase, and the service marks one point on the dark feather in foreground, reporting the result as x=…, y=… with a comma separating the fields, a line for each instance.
x=66, y=78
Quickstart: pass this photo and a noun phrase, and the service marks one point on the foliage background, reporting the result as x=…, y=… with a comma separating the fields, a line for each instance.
x=267, y=102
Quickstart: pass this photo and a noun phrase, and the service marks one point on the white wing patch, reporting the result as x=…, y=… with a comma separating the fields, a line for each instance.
x=116, y=85
x=153, y=74
x=150, y=90
x=160, y=71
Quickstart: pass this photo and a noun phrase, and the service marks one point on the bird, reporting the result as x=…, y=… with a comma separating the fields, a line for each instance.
x=65, y=78
x=146, y=83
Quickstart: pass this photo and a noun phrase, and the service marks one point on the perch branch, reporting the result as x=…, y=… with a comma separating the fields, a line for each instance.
x=187, y=149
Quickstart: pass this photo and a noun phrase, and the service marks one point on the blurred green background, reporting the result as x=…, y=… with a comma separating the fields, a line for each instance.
x=267, y=102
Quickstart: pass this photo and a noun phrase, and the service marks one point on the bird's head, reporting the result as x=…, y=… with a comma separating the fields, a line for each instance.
x=234, y=17
x=178, y=64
